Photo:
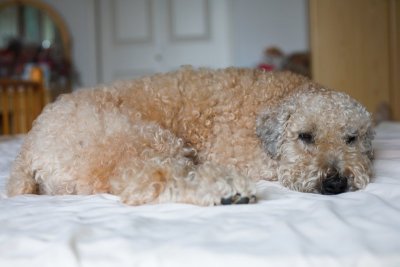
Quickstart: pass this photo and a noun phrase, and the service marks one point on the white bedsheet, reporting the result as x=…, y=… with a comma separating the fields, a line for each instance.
x=284, y=228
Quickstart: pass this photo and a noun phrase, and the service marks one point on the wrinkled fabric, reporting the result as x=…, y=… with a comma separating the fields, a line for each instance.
x=284, y=228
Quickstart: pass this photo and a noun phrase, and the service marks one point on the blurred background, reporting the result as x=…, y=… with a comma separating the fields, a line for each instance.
x=349, y=45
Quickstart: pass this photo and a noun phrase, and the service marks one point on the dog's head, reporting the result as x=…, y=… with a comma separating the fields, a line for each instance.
x=321, y=140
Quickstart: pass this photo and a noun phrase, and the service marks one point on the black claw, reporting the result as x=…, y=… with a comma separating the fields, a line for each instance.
x=243, y=200
x=237, y=199
x=226, y=201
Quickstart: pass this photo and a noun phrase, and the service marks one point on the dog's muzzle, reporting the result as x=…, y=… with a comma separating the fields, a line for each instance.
x=334, y=184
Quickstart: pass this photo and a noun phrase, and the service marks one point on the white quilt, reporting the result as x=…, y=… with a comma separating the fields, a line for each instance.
x=284, y=228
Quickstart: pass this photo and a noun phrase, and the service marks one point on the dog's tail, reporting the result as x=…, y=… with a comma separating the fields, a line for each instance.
x=22, y=177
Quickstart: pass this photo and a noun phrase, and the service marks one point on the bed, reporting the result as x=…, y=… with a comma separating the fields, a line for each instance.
x=284, y=228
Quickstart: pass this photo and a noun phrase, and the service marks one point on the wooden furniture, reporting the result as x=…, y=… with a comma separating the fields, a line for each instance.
x=53, y=37
x=355, y=47
x=53, y=14
x=20, y=103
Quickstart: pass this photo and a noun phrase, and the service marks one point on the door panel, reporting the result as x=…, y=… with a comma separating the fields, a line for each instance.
x=127, y=38
x=350, y=48
x=395, y=57
x=139, y=37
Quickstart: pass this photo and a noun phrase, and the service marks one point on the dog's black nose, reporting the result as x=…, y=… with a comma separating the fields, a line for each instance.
x=334, y=184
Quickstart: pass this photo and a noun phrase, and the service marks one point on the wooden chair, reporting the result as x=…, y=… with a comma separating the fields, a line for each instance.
x=20, y=103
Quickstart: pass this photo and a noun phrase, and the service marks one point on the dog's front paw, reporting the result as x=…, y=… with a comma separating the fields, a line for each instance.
x=218, y=185
x=238, y=199
x=236, y=189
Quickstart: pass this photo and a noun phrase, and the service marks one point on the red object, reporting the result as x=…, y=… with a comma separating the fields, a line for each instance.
x=266, y=67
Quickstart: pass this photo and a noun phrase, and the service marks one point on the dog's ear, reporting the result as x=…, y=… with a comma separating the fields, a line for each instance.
x=368, y=137
x=270, y=126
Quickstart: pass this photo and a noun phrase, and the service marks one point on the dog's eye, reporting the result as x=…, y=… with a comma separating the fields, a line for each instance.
x=307, y=138
x=351, y=139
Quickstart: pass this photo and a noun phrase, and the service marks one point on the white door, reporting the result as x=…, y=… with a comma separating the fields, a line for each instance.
x=139, y=37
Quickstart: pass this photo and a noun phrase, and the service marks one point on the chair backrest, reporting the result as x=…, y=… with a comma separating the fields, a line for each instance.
x=20, y=103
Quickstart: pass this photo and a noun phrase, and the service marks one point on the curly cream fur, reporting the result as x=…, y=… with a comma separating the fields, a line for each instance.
x=194, y=136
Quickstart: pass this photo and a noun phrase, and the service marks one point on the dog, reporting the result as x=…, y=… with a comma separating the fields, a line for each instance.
x=197, y=136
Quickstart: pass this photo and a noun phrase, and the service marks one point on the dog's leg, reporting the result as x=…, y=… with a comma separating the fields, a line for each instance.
x=171, y=181
x=164, y=171
x=22, y=179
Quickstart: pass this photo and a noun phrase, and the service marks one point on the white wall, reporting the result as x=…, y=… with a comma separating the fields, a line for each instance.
x=140, y=37
x=254, y=25
x=79, y=16
x=257, y=24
